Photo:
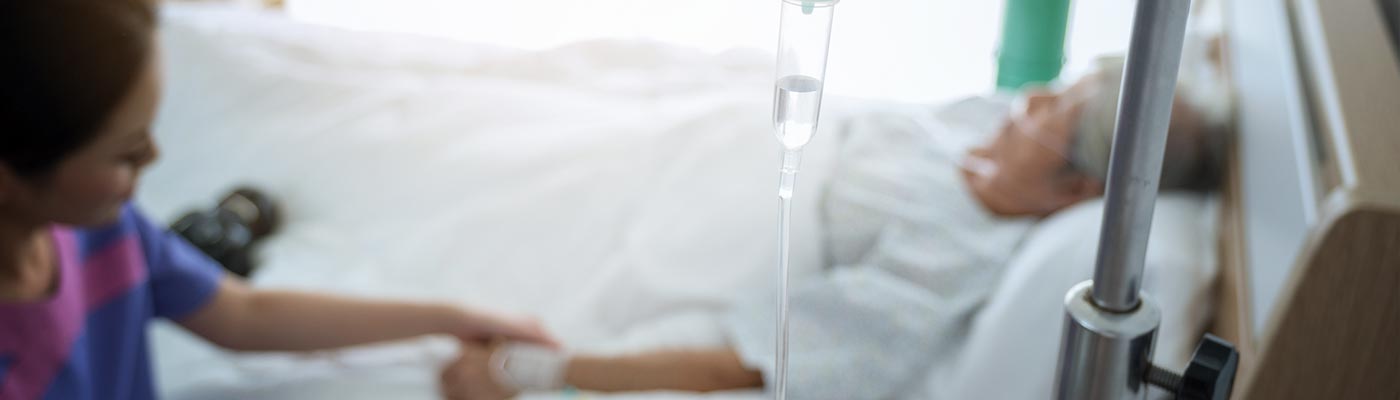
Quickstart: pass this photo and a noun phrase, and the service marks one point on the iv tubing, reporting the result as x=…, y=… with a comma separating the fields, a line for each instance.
x=786, y=180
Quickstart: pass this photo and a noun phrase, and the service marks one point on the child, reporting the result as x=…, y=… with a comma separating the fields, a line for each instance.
x=82, y=271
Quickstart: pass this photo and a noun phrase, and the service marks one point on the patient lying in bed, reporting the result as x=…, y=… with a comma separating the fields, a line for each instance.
x=921, y=219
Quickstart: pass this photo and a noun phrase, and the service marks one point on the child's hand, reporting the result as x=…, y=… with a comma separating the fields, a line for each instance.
x=482, y=327
x=469, y=377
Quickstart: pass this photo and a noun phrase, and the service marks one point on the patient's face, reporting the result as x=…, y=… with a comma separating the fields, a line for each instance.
x=1024, y=170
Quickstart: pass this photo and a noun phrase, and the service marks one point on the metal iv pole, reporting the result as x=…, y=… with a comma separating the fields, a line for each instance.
x=1109, y=331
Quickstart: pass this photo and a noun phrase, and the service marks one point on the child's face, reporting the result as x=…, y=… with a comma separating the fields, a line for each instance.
x=90, y=186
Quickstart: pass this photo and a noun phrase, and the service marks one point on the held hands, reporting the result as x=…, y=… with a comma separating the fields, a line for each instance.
x=469, y=377
x=502, y=370
x=491, y=344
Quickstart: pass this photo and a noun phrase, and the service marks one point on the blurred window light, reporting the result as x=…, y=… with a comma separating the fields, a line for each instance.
x=909, y=50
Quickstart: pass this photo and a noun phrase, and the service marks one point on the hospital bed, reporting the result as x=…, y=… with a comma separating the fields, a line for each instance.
x=419, y=168
x=1310, y=227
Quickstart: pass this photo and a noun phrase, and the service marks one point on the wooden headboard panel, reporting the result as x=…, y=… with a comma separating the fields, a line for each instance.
x=1330, y=327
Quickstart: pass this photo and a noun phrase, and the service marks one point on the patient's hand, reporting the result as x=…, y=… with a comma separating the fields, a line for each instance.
x=470, y=376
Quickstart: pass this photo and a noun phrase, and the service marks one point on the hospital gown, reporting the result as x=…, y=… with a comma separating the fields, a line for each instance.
x=911, y=256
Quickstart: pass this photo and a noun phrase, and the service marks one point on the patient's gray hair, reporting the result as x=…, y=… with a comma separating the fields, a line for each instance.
x=1196, y=139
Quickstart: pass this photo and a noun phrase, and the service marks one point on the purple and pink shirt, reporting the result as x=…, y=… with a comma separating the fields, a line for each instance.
x=88, y=339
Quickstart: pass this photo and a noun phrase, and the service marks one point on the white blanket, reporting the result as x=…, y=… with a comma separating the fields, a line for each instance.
x=912, y=256
x=622, y=192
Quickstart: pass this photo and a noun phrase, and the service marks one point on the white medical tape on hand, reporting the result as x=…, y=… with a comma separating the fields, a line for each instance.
x=527, y=367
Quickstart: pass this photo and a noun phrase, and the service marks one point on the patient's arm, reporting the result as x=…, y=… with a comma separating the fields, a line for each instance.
x=470, y=377
x=242, y=318
x=688, y=370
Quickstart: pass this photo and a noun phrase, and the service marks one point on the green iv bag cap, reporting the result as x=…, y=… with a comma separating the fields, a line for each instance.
x=808, y=5
x=813, y=3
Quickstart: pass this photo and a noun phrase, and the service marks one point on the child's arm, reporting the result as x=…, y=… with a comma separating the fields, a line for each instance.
x=244, y=319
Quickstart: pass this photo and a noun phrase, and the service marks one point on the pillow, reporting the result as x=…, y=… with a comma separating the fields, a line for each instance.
x=1014, y=343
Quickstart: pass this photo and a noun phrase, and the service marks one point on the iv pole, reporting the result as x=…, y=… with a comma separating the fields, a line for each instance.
x=1109, y=330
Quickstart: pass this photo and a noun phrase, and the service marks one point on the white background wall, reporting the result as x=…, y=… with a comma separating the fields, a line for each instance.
x=912, y=50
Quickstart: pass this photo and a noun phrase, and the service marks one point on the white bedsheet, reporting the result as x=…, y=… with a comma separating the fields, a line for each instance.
x=623, y=192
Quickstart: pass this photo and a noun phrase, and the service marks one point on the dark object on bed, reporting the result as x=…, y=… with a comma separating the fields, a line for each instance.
x=227, y=232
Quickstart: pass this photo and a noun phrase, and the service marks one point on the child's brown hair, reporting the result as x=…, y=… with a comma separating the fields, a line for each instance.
x=66, y=65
